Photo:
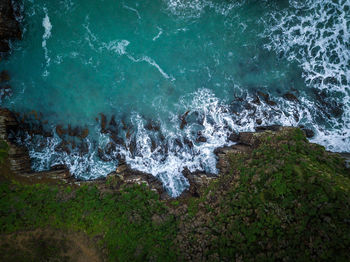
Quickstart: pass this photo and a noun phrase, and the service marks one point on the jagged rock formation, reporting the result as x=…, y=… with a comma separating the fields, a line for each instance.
x=9, y=27
x=18, y=156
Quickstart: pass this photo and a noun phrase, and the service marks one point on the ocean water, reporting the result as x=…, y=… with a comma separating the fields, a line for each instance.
x=149, y=65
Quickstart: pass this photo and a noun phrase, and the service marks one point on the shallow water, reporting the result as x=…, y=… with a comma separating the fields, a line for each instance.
x=145, y=62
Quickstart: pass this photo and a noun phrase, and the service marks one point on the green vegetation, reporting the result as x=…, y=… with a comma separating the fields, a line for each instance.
x=285, y=199
x=3, y=151
x=132, y=224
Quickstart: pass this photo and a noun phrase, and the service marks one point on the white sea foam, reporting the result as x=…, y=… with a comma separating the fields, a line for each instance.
x=158, y=35
x=195, y=8
x=85, y=166
x=132, y=9
x=117, y=46
x=316, y=34
x=47, y=34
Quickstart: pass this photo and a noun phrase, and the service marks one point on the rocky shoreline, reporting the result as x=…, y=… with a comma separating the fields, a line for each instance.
x=20, y=163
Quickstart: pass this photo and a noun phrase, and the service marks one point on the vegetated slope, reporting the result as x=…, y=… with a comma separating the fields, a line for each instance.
x=282, y=199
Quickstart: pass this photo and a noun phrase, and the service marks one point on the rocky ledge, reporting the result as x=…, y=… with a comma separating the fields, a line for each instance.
x=20, y=165
x=124, y=175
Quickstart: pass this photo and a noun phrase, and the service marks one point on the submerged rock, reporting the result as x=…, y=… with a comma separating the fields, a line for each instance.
x=4, y=76
x=290, y=97
x=183, y=119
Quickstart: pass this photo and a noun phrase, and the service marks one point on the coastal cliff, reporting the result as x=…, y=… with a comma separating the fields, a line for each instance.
x=277, y=197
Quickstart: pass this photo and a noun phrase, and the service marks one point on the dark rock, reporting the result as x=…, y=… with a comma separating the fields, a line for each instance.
x=290, y=97
x=151, y=126
x=83, y=148
x=178, y=142
x=63, y=147
x=188, y=143
x=118, y=140
x=258, y=121
x=233, y=137
x=308, y=132
x=84, y=133
x=101, y=154
x=256, y=100
x=198, y=180
x=266, y=98
x=201, y=139
x=73, y=131
x=124, y=175
x=274, y=128
x=183, y=120
x=9, y=27
x=4, y=76
x=60, y=131
x=113, y=122
x=103, y=123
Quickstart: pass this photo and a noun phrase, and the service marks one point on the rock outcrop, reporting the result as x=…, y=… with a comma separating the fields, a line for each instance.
x=18, y=156
x=9, y=26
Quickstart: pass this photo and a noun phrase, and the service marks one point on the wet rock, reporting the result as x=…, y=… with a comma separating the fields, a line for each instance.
x=258, y=121
x=84, y=133
x=198, y=180
x=103, y=123
x=124, y=175
x=112, y=122
x=188, y=143
x=296, y=116
x=83, y=148
x=4, y=76
x=73, y=131
x=151, y=126
x=60, y=131
x=101, y=154
x=266, y=98
x=153, y=145
x=290, y=97
x=178, y=143
x=133, y=147
x=233, y=137
x=256, y=100
x=274, y=128
x=183, y=120
x=271, y=103
x=110, y=149
x=9, y=27
x=309, y=133
x=118, y=140
x=201, y=139
x=63, y=147
x=18, y=156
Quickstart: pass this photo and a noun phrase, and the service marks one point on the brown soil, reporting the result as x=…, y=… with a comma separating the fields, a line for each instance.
x=45, y=244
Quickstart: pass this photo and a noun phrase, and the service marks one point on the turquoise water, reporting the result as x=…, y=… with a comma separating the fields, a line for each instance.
x=153, y=61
